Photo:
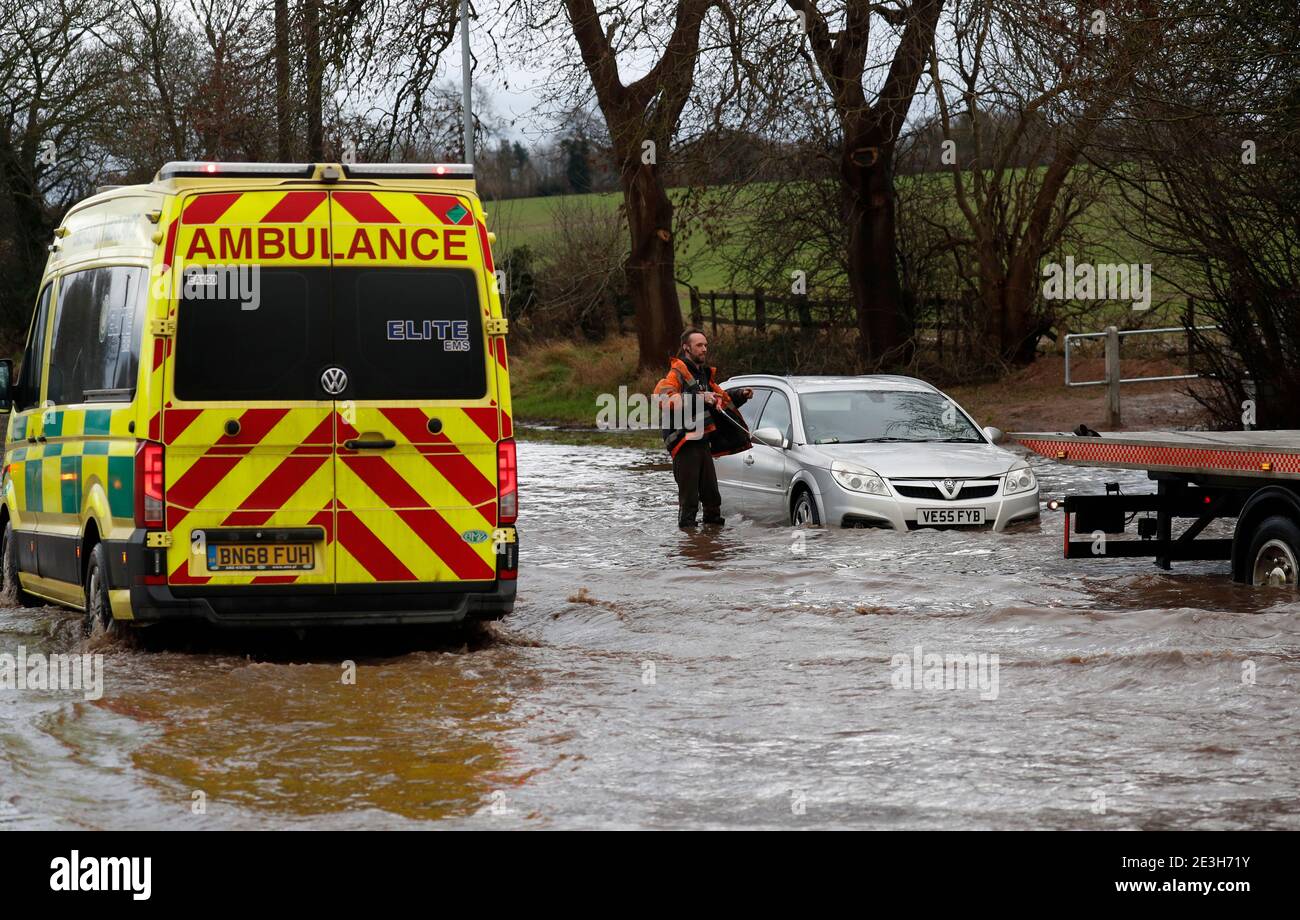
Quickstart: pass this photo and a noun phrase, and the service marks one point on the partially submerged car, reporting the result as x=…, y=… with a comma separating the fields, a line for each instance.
x=872, y=451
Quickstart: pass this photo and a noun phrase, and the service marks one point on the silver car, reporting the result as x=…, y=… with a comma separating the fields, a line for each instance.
x=877, y=451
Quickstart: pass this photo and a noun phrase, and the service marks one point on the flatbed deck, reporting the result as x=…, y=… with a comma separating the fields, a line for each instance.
x=1201, y=476
x=1262, y=455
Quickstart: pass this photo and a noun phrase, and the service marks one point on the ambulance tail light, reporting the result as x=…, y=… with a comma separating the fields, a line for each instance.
x=408, y=170
x=507, y=483
x=149, y=484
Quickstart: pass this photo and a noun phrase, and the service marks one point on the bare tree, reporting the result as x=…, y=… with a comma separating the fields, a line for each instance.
x=55, y=78
x=1021, y=91
x=869, y=131
x=1209, y=167
x=672, y=43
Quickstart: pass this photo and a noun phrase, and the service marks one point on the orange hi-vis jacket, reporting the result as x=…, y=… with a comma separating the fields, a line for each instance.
x=680, y=384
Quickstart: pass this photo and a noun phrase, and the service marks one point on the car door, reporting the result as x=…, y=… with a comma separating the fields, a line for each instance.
x=768, y=470
x=731, y=469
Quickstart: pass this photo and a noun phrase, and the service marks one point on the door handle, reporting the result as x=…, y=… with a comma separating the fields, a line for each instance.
x=749, y=459
x=369, y=445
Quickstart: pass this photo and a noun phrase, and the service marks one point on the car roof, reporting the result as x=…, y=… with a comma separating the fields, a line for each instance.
x=813, y=383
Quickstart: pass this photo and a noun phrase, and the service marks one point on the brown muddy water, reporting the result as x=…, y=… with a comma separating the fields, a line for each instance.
x=650, y=678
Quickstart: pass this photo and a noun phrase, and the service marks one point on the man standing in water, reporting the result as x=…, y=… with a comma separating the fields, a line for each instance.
x=694, y=431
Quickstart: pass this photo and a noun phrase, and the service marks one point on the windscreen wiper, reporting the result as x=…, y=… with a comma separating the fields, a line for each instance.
x=879, y=440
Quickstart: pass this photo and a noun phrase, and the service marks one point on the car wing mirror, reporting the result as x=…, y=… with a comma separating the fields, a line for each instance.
x=771, y=437
x=994, y=434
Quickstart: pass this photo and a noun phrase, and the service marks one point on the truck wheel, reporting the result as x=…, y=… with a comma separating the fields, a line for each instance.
x=11, y=589
x=1274, y=552
x=804, y=512
x=99, y=612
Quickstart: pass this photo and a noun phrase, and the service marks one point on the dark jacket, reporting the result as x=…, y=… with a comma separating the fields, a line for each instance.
x=684, y=380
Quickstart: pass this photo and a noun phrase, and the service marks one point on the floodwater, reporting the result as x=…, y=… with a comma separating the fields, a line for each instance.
x=651, y=678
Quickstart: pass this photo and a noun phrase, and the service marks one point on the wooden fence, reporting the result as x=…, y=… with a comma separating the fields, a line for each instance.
x=943, y=325
x=759, y=311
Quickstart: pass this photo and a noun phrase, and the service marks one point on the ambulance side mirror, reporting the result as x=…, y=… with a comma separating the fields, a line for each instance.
x=6, y=384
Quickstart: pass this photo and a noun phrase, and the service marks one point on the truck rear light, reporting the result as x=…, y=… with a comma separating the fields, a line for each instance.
x=149, y=484
x=507, y=482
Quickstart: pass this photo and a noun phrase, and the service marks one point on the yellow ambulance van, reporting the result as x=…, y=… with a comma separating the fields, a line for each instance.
x=266, y=394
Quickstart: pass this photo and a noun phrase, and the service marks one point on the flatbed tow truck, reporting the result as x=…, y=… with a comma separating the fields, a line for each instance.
x=1200, y=476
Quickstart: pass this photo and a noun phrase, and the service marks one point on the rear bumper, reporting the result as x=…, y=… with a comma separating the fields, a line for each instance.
x=341, y=605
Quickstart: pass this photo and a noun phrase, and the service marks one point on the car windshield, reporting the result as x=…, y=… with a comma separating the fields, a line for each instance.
x=861, y=416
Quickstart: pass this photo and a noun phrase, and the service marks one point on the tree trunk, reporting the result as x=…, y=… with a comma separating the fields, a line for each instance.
x=868, y=208
x=315, y=80
x=1020, y=328
x=283, y=130
x=650, y=269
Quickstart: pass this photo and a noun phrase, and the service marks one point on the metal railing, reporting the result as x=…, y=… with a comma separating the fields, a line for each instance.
x=1113, y=377
x=1112, y=330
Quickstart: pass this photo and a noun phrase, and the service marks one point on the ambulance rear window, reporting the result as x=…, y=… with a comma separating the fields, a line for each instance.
x=245, y=336
x=410, y=333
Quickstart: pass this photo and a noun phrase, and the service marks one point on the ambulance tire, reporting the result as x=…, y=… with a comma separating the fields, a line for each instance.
x=99, y=611
x=12, y=591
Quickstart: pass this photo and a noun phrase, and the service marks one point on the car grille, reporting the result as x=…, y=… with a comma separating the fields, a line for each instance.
x=928, y=491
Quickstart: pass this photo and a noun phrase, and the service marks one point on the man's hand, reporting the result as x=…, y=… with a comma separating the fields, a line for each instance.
x=710, y=399
x=747, y=393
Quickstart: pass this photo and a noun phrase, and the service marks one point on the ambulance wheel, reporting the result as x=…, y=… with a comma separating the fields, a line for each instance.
x=99, y=611
x=803, y=513
x=11, y=591
x=1274, y=553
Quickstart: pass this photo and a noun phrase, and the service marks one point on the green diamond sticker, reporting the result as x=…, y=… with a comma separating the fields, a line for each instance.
x=456, y=213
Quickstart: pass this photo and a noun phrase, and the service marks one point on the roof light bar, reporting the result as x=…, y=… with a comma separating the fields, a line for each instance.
x=218, y=170
x=409, y=170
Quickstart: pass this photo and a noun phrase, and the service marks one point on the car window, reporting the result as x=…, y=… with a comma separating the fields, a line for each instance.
x=95, y=351
x=752, y=409
x=27, y=391
x=857, y=416
x=776, y=414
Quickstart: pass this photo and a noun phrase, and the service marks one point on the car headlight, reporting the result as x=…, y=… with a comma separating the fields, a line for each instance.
x=1019, y=481
x=858, y=479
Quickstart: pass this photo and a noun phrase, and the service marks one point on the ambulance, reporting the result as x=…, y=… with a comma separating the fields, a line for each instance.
x=266, y=394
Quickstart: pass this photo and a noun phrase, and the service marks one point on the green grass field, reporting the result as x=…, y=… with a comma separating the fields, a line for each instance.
x=529, y=222
x=1098, y=237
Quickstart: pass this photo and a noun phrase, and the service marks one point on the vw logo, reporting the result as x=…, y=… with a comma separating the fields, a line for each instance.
x=334, y=380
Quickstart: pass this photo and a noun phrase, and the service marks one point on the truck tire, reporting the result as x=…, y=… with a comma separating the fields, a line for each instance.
x=1274, y=556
